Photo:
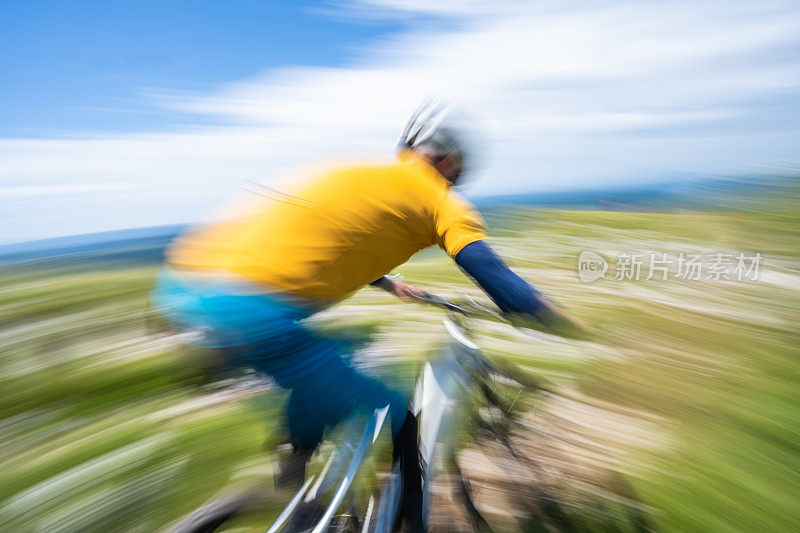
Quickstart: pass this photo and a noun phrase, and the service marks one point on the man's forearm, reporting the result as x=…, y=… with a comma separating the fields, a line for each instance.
x=514, y=295
x=511, y=293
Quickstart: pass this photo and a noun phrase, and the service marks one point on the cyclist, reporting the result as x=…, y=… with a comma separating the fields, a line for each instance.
x=249, y=282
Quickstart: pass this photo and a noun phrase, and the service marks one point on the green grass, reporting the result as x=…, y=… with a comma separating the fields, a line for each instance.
x=106, y=424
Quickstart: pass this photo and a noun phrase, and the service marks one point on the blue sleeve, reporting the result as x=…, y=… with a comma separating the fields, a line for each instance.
x=511, y=293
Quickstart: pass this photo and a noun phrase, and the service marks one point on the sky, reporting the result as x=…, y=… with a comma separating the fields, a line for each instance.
x=126, y=114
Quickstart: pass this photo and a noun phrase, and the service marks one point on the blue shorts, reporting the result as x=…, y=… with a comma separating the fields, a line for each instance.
x=265, y=332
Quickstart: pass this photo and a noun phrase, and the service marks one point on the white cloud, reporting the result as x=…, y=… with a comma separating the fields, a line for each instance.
x=37, y=191
x=571, y=95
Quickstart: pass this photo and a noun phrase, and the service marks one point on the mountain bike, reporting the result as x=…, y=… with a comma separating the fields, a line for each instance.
x=460, y=393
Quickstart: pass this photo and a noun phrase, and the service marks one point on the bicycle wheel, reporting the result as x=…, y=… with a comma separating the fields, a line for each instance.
x=538, y=474
x=213, y=515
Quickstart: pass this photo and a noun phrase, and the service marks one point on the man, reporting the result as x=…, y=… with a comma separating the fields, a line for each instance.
x=249, y=282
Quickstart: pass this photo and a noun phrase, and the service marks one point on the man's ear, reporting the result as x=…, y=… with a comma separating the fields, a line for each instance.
x=448, y=166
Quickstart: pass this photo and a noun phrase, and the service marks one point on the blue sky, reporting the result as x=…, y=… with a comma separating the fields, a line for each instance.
x=85, y=66
x=128, y=114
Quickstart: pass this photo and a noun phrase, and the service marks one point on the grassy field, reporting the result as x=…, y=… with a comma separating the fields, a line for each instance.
x=689, y=388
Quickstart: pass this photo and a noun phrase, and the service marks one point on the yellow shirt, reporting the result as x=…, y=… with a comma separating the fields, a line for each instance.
x=347, y=229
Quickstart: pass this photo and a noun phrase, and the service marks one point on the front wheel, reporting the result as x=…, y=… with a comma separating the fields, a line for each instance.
x=213, y=515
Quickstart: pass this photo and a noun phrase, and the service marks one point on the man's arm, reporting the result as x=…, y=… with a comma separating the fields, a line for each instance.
x=512, y=294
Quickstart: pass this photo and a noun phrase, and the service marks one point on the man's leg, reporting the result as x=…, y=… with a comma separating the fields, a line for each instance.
x=306, y=429
x=332, y=390
x=325, y=388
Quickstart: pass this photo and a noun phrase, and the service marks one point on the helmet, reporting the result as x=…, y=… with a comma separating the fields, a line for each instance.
x=434, y=130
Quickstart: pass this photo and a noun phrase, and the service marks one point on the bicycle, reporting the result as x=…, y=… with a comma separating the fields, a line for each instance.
x=461, y=396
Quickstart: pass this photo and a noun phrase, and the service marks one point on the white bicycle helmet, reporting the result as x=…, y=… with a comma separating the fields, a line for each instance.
x=435, y=129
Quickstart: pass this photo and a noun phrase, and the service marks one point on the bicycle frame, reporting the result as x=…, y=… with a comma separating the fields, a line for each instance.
x=442, y=386
x=330, y=473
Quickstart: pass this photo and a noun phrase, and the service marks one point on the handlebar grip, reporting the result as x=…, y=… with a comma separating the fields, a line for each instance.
x=444, y=303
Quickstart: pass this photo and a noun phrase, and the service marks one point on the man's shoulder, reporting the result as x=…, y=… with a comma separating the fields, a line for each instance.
x=390, y=174
x=371, y=168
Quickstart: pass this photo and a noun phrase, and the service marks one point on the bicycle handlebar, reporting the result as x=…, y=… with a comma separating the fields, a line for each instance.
x=469, y=308
x=557, y=322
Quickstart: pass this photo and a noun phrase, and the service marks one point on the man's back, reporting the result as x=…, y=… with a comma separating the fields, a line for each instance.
x=345, y=230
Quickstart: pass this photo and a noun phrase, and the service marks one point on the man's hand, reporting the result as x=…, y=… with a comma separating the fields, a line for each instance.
x=401, y=289
x=555, y=321
x=563, y=323
x=406, y=292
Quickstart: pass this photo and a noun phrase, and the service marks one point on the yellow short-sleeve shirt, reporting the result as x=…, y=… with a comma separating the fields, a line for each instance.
x=346, y=229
